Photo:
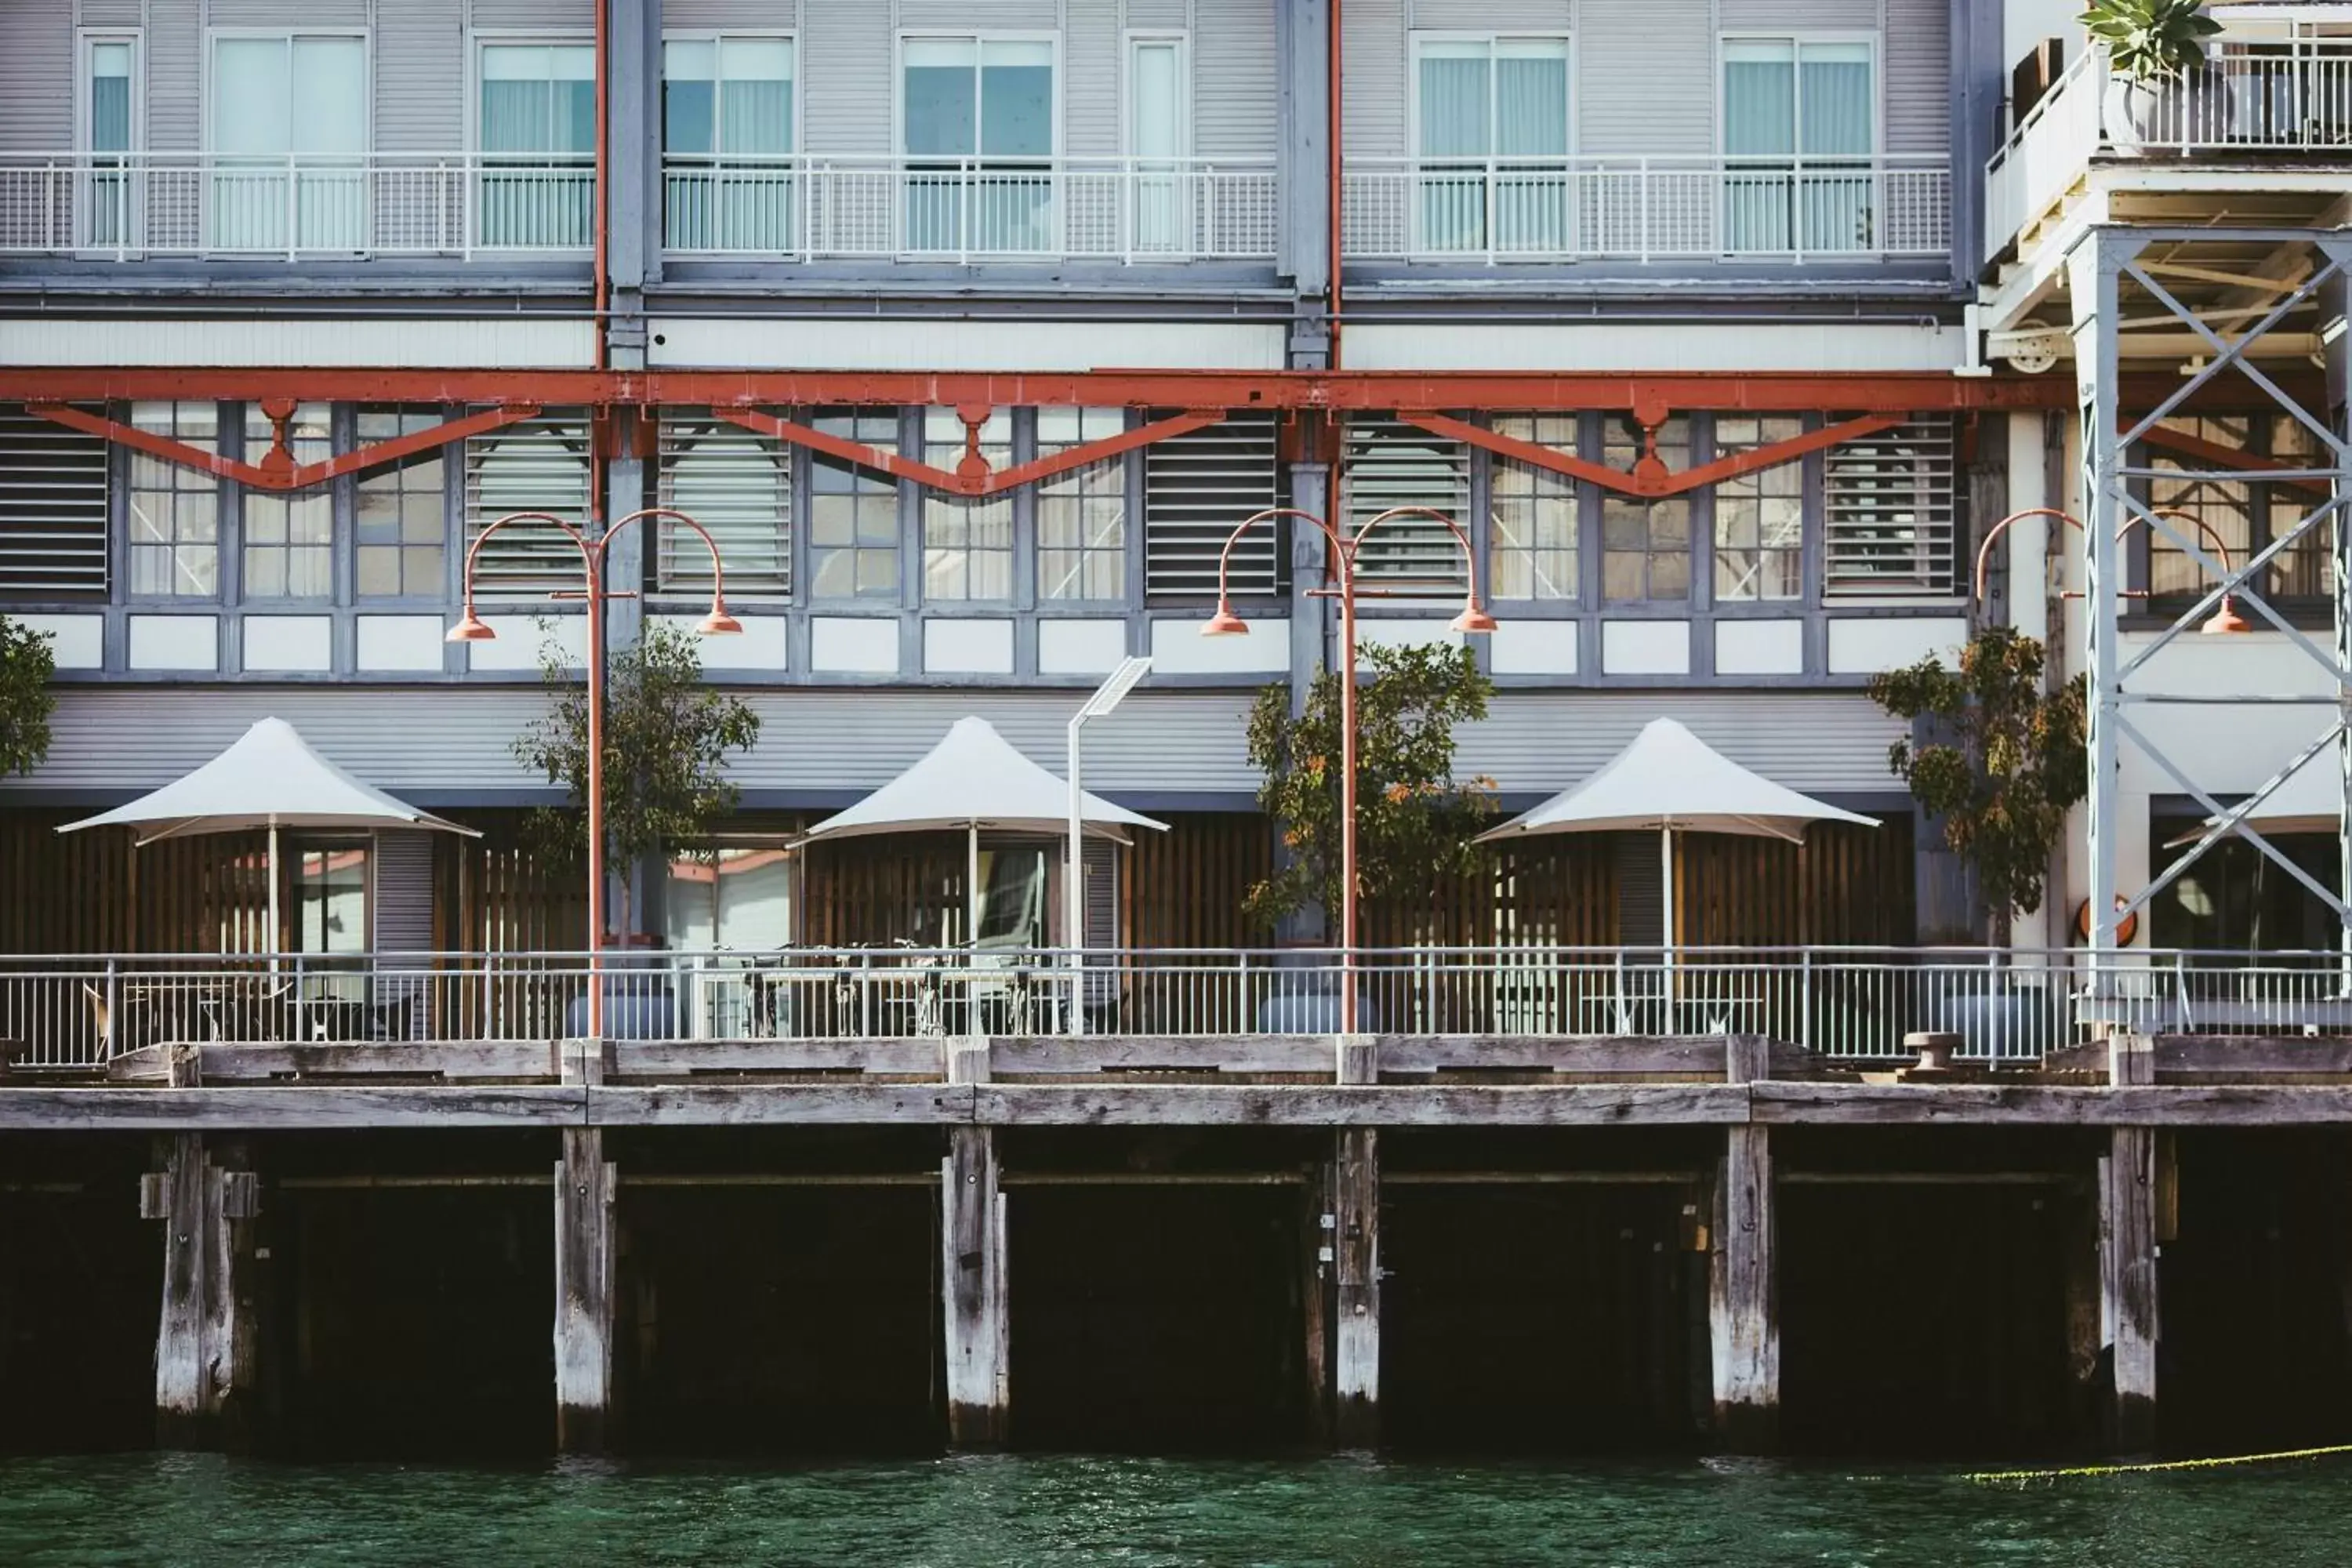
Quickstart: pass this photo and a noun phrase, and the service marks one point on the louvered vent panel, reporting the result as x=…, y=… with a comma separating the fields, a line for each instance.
x=52, y=507
x=1393, y=464
x=1197, y=488
x=736, y=483
x=1892, y=507
x=539, y=465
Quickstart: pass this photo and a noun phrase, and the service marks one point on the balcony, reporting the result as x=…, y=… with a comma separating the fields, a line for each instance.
x=127, y=206
x=1643, y=209
x=82, y=1012
x=2267, y=101
x=812, y=207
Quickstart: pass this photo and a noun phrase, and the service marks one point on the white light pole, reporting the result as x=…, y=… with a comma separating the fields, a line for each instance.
x=1108, y=696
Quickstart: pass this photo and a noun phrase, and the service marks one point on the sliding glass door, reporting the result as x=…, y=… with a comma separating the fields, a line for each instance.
x=1155, y=141
x=979, y=139
x=288, y=135
x=1799, y=133
x=726, y=137
x=537, y=135
x=1493, y=144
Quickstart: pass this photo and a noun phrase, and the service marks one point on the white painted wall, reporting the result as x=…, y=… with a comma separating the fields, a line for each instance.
x=867, y=645
x=1178, y=648
x=76, y=642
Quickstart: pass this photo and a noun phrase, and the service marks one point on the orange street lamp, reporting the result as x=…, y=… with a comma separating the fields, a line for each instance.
x=473, y=628
x=1340, y=571
x=2224, y=621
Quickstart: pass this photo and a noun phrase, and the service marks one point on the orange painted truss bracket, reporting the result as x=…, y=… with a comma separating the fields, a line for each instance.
x=1654, y=485
x=976, y=484
x=256, y=476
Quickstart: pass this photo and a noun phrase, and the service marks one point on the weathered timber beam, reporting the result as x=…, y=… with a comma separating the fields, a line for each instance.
x=1988, y=1105
x=289, y=1106
x=1315, y=1105
x=678, y=1058
x=233, y=1062
x=801, y=1104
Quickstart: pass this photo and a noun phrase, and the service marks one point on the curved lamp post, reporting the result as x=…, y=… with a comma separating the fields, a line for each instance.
x=2224, y=621
x=473, y=628
x=1342, y=586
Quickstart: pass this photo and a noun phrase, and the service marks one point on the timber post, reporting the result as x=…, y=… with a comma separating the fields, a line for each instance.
x=584, y=1248
x=972, y=1279
x=2128, y=1273
x=1355, y=1339
x=207, y=1331
x=1743, y=1307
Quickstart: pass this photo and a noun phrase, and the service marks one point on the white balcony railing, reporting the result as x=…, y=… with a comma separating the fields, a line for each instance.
x=1646, y=209
x=2254, y=95
x=298, y=206
x=1849, y=1002
x=816, y=206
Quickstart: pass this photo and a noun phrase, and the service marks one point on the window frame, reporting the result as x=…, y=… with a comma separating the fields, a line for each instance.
x=207, y=89
x=807, y=550
x=85, y=44
x=1121, y=466
x=227, y=555
x=452, y=457
x=1798, y=37
x=718, y=39
x=479, y=41
x=1052, y=37
x=327, y=490
x=1129, y=42
x=1418, y=38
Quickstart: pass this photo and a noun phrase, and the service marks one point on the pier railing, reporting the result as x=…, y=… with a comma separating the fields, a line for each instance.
x=2002, y=1006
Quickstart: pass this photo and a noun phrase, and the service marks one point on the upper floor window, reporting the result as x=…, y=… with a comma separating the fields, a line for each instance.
x=967, y=544
x=853, y=511
x=537, y=131
x=979, y=135
x=540, y=464
x=1533, y=515
x=173, y=511
x=1492, y=133
x=1759, y=516
x=288, y=126
x=2238, y=518
x=1800, y=129
x=109, y=126
x=727, y=142
x=1081, y=512
x=400, y=510
x=289, y=536
x=1645, y=545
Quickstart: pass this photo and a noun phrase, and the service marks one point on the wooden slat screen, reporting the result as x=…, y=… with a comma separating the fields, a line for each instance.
x=1186, y=885
x=1844, y=886
x=93, y=893
x=871, y=893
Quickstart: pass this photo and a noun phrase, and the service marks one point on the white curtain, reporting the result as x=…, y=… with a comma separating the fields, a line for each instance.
x=1532, y=199
x=1457, y=122
x=1503, y=99
x=537, y=98
x=727, y=108
x=106, y=198
x=1799, y=129
x=280, y=96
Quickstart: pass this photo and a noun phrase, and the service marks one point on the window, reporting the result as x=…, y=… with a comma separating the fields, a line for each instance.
x=853, y=511
x=1532, y=517
x=1760, y=517
x=1645, y=545
x=2242, y=515
x=331, y=886
x=736, y=897
x=1082, y=514
x=402, y=510
x=978, y=137
x=53, y=490
x=1493, y=144
x=536, y=465
x=1014, y=913
x=1156, y=141
x=175, y=511
x=1890, y=504
x=1393, y=464
x=537, y=128
x=738, y=485
x=1799, y=125
x=288, y=133
x=727, y=141
x=289, y=536
x=1197, y=488
x=109, y=107
x=967, y=544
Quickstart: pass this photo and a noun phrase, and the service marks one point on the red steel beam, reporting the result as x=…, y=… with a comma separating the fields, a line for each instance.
x=1646, y=480
x=2254, y=464
x=988, y=484
x=262, y=478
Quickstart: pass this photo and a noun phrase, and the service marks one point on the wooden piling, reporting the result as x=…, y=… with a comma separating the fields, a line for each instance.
x=1743, y=1307
x=2128, y=1282
x=207, y=1331
x=584, y=1183
x=973, y=1271
x=1354, y=1332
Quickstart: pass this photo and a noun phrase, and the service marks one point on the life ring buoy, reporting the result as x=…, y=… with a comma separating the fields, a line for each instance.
x=2126, y=928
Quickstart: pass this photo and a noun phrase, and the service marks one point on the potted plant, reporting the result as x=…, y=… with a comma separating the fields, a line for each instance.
x=2156, y=59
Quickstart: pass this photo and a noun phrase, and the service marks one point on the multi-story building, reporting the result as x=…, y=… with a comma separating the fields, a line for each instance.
x=1668, y=301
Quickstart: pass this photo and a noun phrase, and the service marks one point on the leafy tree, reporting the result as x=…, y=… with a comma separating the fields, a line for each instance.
x=1414, y=820
x=2015, y=759
x=666, y=740
x=25, y=700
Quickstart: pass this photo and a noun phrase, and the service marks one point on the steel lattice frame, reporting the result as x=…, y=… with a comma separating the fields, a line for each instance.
x=2098, y=267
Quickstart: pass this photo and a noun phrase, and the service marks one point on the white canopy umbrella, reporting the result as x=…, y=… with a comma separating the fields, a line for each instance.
x=974, y=780
x=1671, y=781
x=271, y=778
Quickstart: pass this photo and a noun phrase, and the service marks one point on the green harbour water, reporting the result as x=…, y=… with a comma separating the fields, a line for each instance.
x=1057, y=1512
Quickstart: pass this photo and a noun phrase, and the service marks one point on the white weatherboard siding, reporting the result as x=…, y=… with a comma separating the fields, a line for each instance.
x=1602, y=346
x=2228, y=749
x=37, y=77
x=1541, y=741
x=690, y=343
x=1645, y=79
x=506, y=344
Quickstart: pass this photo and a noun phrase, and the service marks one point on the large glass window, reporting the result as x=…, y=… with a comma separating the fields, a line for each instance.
x=403, y=511
x=978, y=137
x=538, y=133
x=853, y=513
x=1532, y=520
x=289, y=536
x=1800, y=127
x=1760, y=517
x=1645, y=545
x=2241, y=516
x=289, y=132
x=1081, y=513
x=967, y=544
x=726, y=143
x=174, y=509
x=1014, y=903
x=1493, y=140
x=106, y=132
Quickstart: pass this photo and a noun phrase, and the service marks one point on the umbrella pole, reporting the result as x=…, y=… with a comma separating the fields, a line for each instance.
x=1666, y=916
x=971, y=929
x=274, y=940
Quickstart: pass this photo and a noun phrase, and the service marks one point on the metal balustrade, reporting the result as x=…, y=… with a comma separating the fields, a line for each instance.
x=2254, y=95
x=1495, y=210
x=298, y=206
x=817, y=206
x=1841, y=1003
